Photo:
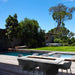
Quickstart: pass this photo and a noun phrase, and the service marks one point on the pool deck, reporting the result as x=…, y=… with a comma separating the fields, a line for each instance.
x=9, y=66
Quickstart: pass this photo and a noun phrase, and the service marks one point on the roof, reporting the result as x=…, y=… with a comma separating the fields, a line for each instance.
x=50, y=34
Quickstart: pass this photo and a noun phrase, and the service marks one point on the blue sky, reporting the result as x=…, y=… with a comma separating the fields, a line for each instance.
x=34, y=9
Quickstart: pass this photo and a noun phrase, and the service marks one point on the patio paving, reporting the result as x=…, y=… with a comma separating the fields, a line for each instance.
x=9, y=66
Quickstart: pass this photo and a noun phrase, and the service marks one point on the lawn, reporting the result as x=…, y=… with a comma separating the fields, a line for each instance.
x=60, y=48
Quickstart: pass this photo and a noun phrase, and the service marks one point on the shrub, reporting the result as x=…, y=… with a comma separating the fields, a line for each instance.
x=32, y=43
x=73, y=44
x=57, y=40
x=65, y=44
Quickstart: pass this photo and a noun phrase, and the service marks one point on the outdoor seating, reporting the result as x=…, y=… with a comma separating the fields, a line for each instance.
x=66, y=66
x=40, y=64
x=35, y=54
x=43, y=68
x=57, y=55
x=45, y=55
x=20, y=55
x=27, y=65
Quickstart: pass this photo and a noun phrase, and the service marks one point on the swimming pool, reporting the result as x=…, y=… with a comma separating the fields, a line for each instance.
x=20, y=53
x=31, y=53
x=62, y=55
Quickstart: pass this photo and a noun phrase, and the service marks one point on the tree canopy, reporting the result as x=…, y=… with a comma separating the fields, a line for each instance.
x=28, y=31
x=32, y=34
x=64, y=36
x=11, y=26
x=64, y=32
x=61, y=13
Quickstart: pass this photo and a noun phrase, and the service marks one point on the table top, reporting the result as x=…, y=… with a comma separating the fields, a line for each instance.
x=42, y=59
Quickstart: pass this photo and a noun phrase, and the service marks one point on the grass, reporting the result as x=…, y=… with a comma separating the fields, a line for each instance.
x=60, y=48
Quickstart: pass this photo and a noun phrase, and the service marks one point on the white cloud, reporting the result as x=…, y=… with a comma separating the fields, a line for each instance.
x=3, y=0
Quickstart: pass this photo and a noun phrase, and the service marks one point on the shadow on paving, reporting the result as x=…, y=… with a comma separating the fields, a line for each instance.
x=9, y=69
x=64, y=73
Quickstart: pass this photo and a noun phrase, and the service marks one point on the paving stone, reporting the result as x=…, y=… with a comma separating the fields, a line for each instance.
x=9, y=66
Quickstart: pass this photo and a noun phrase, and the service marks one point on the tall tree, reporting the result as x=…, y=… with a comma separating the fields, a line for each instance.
x=61, y=13
x=11, y=27
x=32, y=34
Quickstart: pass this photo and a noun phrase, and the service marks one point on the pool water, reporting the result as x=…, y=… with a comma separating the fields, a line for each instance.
x=31, y=53
x=18, y=53
x=64, y=55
